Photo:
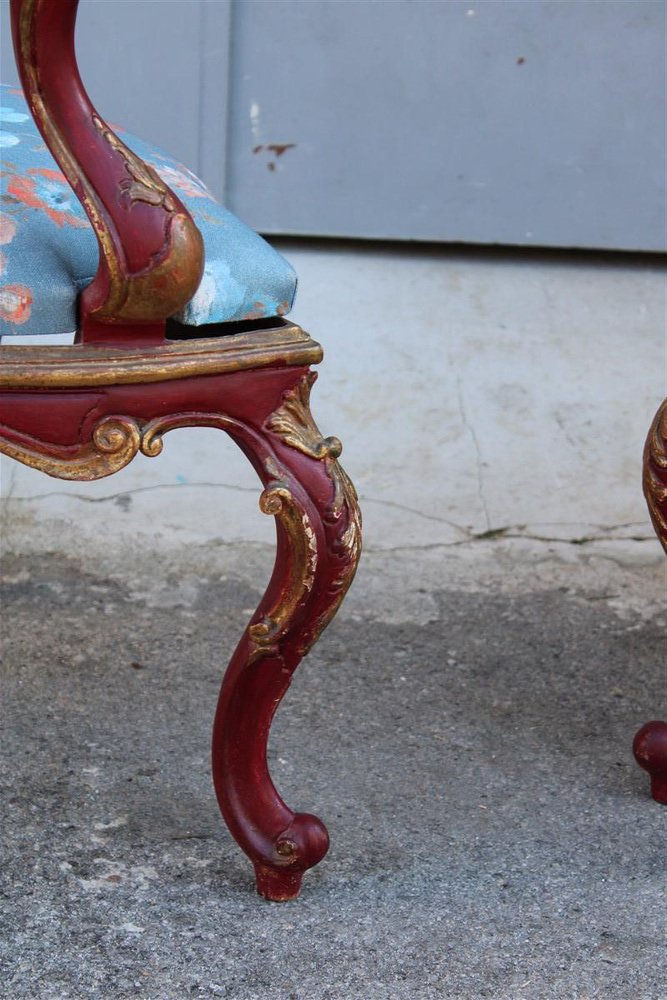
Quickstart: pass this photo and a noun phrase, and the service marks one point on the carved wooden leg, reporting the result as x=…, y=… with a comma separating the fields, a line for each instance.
x=650, y=742
x=318, y=546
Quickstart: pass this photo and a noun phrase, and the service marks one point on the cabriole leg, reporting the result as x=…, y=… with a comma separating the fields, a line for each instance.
x=318, y=546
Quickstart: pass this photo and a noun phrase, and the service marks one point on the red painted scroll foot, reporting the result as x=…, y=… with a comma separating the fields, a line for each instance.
x=318, y=546
x=650, y=750
x=280, y=881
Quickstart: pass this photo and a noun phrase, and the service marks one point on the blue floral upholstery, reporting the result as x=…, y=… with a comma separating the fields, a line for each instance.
x=48, y=251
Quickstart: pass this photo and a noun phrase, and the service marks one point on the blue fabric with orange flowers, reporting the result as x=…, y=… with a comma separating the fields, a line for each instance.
x=48, y=251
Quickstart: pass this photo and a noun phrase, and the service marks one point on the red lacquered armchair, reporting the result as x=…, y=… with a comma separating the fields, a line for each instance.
x=178, y=324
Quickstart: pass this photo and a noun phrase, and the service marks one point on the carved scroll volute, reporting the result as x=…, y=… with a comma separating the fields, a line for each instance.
x=151, y=252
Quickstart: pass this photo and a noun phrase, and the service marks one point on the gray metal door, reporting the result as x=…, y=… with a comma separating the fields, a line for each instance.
x=525, y=122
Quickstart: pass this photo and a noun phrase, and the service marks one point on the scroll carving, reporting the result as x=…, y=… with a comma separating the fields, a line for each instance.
x=146, y=184
x=293, y=423
x=278, y=500
x=114, y=443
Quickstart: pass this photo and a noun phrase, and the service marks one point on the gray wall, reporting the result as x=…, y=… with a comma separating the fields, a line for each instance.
x=529, y=122
x=158, y=68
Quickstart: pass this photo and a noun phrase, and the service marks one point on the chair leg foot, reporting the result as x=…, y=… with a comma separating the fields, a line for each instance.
x=650, y=750
x=276, y=885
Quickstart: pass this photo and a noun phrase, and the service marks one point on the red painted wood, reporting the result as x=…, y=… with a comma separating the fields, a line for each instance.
x=53, y=418
x=249, y=396
x=281, y=844
x=650, y=750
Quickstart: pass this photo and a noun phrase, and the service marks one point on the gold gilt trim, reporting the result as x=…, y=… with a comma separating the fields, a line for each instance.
x=146, y=184
x=277, y=499
x=347, y=547
x=655, y=473
x=114, y=443
x=293, y=423
x=86, y=366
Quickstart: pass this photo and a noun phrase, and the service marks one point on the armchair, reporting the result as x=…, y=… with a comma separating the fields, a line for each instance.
x=177, y=308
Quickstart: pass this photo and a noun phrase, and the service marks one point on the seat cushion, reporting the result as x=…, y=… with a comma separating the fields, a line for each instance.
x=48, y=250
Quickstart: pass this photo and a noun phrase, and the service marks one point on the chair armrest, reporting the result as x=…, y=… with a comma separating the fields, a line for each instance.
x=151, y=253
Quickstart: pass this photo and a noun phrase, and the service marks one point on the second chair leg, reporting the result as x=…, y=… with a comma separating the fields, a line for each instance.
x=650, y=743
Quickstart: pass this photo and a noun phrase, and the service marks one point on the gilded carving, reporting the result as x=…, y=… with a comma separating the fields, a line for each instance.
x=278, y=500
x=655, y=473
x=82, y=366
x=294, y=424
x=146, y=184
x=114, y=443
x=348, y=547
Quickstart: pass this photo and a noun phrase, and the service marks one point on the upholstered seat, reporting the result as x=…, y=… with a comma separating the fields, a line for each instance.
x=50, y=252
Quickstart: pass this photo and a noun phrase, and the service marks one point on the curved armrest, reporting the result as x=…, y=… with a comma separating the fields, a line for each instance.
x=151, y=252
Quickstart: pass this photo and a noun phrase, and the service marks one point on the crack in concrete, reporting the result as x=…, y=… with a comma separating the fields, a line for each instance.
x=413, y=510
x=514, y=531
x=478, y=453
x=566, y=434
x=138, y=489
x=225, y=486
x=493, y=535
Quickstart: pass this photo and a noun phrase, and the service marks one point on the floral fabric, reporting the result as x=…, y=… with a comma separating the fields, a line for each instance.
x=48, y=251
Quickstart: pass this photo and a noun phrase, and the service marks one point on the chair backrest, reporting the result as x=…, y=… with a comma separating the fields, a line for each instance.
x=151, y=253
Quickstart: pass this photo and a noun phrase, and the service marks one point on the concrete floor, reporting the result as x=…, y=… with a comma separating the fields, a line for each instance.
x=463, y=727
x=491, y=834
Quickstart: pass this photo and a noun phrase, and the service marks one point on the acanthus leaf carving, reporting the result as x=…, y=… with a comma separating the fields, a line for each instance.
x=294, y=425
x=146, y=184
